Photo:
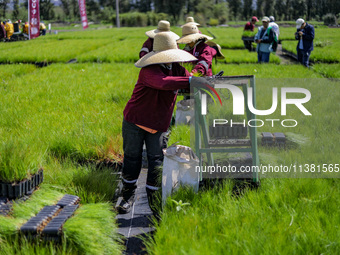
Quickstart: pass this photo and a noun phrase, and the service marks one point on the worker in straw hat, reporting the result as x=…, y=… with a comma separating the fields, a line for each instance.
x=191, y=21
x=195, y=45
x=148, y=113
x=163, y=26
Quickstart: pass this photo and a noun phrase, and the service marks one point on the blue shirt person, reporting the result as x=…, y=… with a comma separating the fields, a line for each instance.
x=305, y=35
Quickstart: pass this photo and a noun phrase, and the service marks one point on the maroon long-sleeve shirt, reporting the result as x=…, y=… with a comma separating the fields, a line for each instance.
x=204, y=55
x=146, y=48
x=154, y=96
x=249, y=26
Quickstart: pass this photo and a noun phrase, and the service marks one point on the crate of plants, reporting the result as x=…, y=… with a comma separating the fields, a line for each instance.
x=228, y=131
x=248, y=36
x=18, y=189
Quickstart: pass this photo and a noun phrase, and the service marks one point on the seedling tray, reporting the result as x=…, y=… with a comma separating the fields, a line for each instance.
x=16, y=189
x=6, y=204
x=224, y=131
x=273, y=139
x=48, y=223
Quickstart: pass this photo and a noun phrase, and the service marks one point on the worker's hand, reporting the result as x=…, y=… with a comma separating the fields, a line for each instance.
x=258, y=40
x=200, y=82
x=193, y=72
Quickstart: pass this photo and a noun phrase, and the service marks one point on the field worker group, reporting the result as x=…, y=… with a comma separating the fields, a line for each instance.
x=10, y=31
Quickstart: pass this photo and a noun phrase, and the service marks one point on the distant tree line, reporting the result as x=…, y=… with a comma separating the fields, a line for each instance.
x=205, y=11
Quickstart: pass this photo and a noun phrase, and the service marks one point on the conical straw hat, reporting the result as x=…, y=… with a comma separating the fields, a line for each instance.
x=163, y=26
x=165, y=50
x=191, y=21
x=217, y=47
x=190, y=34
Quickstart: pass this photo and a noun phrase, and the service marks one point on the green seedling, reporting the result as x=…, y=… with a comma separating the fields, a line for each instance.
x=179, y=205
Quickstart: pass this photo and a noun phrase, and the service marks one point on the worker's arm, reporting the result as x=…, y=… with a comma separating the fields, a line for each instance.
x=153, y=77
x=257, y=36
x=204, y=61
x=146, y=48
x=297, y=36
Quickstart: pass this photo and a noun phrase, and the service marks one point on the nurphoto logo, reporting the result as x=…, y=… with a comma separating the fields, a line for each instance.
x=239, y=106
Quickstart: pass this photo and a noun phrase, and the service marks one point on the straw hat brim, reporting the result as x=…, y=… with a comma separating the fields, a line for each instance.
x=192, y=23
x=165, y=56
x=153, y=32
x=192, y=38
x=216, y=47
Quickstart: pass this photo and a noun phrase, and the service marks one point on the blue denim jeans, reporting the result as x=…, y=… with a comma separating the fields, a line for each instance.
x=303, y=57
x=263, y=57
x=133, y=140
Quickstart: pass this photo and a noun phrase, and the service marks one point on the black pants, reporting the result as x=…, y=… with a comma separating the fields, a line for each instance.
x=303, y=57
x=248, y=45
x=133, y=140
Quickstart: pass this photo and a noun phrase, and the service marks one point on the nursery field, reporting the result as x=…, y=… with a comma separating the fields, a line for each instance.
x=66, y=118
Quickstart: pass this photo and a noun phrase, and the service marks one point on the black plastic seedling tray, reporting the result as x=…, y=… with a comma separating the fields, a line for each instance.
x=48, y=223
x=68, y=200
x=16, y=189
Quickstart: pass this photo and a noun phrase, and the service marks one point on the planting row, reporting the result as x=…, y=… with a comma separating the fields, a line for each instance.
x=123, y=45
x=325, y=52
x=328, y=70
x=244, y=56
x=277, y=208
x=83, y=121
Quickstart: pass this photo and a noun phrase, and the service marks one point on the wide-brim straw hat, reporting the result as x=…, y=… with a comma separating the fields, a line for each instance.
x=164, y=51
x=190, y=33
x=163, y=26
x=191, y=20
x=217, y=47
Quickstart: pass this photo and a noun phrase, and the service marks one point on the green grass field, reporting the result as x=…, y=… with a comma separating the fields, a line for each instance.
x=66, y=118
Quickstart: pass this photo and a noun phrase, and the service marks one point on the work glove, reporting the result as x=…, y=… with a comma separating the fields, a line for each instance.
x=212, y=79
x=200, y=82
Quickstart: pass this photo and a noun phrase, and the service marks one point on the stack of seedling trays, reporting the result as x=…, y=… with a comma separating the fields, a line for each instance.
x=19, y=189
x=273, y=139
x=222, y=131
x=48, y=223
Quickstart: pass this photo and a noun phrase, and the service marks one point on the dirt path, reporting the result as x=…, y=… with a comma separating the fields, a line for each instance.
x=285, y=58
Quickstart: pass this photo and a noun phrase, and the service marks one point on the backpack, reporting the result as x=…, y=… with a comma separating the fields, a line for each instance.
x=273, y=46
